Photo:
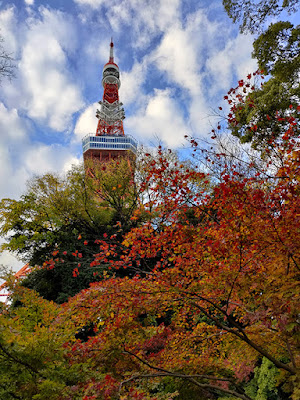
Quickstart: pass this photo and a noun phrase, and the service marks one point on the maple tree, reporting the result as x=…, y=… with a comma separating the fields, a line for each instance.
x=223, y=292
x=213, y=297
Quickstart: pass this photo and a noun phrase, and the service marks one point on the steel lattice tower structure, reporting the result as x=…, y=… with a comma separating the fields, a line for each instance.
x=109, y=142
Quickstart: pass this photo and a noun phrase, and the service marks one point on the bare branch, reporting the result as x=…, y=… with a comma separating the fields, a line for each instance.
x=7, y=63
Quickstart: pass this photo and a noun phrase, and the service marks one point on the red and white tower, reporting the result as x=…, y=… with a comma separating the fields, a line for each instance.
x=110, y=142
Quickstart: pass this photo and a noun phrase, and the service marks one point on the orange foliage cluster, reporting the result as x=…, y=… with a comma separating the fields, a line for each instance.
x=223, y=291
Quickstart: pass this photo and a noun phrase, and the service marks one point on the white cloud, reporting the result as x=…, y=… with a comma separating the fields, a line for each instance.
x=20, y=159
x=145, y=19
x=182, y=55
x=50, y=94
x=168, y=13
x=201, y=117
x=12, y=179
x=97, y=49
x=43, y=91
x=40, y=159
x=92, y=3
x=234, y=58
x=87, y=122
x=132, y=81
x=8, y=260
x=161, y=117
x=44, y=87
x=13, y=140
x=201, y=57
x=7, y=24
x=11, y=127
x=29, y=2
x=176, y=55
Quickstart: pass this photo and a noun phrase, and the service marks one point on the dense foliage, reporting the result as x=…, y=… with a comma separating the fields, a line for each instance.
x=277, y=50
x=190, y=272
x=262, y=116
x=55, y=213
x=210, y=310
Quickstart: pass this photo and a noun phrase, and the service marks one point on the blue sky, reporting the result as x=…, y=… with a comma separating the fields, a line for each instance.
x=177, y=58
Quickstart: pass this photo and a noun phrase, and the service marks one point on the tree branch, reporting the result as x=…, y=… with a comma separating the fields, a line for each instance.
x=162, y=373
x=241, y=334
x=21, y=362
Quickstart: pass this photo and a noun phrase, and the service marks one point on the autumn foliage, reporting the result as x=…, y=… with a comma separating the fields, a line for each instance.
x=215, y=290
x=223, y=292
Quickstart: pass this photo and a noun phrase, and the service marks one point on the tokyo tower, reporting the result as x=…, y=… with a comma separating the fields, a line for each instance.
x=109, y=142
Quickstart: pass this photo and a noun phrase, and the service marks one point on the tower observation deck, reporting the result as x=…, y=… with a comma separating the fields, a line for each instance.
x=109, y=142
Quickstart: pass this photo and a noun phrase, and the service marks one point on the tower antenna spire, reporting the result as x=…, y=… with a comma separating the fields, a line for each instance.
x=111, y=52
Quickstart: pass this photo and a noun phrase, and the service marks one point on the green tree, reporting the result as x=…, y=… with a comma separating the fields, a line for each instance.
x=252, y=14
x=46, y=214
x=265, y=113
x=59, y=222
x=32, y=356
x=263, y=385
x=277, y=52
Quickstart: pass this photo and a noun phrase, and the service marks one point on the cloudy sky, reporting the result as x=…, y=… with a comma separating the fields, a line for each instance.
x=177, y=60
